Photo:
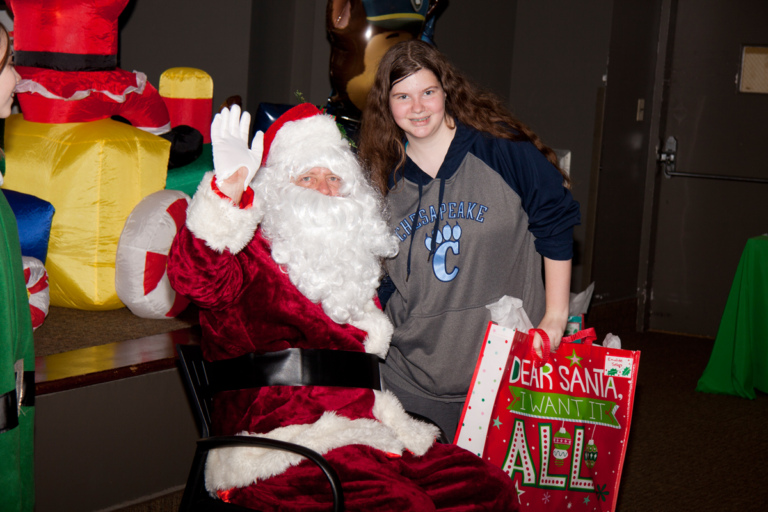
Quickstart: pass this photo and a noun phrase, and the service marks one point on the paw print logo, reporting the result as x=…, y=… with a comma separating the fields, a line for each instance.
x=446, y=240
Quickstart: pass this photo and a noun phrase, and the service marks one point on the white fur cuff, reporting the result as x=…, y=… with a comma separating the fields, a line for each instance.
x=379, y=330
x=416, y=435
x=218, y=222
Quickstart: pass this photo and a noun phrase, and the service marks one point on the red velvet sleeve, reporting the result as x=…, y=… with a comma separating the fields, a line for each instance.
x=210, y=279
x=248, y=304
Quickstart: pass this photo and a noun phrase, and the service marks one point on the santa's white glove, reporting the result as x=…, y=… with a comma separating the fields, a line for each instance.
x=229, y=137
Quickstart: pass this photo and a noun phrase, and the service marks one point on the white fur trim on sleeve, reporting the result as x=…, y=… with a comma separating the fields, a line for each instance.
x=220, y=223
x=417, y=436
x=379, y=329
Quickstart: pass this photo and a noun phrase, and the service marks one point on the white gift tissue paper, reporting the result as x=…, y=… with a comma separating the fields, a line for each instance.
x=611, y=341
x=579, y=303
x=508, y=312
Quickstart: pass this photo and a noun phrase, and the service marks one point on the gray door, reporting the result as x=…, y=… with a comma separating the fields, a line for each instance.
x=702, y=223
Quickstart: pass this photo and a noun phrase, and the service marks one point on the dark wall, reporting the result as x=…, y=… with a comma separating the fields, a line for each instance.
x=213, y=36
x=289, y=52
x=479, y=37
x=560, y=56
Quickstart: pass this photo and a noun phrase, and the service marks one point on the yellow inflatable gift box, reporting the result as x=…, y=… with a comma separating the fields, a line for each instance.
x=94, y=174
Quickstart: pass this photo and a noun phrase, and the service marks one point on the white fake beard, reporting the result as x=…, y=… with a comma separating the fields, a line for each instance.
x=330, y=246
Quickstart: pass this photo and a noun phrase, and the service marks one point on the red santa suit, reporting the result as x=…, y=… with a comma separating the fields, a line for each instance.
x=248, y=302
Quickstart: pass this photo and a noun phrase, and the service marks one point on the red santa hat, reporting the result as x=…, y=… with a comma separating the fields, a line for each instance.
x=297, y=113
x=304, y=137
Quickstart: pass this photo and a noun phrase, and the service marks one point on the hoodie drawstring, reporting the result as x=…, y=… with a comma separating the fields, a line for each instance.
x=433, y=245
x=435, y=228
x=413, y=233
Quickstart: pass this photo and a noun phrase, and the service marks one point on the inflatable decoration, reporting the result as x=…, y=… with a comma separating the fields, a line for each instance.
x=37, y=288
x=93, y=174
x=188, y=94
x=188, y=177
x=267, y=113
x=142, y=252
x=361, y=31
x=66, y=54
x=33, y=218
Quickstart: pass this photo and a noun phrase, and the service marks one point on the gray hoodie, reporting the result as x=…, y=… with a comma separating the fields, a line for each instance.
x=494, y=208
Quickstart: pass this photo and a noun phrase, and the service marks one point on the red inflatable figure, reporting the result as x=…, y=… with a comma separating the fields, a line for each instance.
x=66, y=54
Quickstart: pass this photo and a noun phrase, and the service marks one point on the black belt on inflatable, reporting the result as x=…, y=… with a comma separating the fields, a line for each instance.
x=9, y=417
x=65, y=61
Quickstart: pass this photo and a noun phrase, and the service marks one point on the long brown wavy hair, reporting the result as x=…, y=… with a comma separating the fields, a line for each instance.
x=6, y=57
x=381, y=148
x=8, y=50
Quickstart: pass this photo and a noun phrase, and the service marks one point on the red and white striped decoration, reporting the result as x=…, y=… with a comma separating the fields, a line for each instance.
x=36, y=279
x=141, y=280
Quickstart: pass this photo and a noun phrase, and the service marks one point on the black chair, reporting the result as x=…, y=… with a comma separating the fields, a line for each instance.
x=291, y=367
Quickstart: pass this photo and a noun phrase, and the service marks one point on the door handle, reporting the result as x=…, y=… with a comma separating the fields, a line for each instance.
x=666, y=156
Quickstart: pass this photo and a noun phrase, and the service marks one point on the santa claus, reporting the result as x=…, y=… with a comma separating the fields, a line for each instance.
x=291, y=258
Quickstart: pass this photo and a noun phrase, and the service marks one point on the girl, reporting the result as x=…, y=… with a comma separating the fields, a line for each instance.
x=477, y=201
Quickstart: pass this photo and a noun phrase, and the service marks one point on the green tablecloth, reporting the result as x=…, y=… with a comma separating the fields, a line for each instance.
x=739, y=361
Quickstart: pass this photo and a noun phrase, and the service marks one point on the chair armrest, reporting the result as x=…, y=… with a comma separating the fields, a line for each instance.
x=206, y=444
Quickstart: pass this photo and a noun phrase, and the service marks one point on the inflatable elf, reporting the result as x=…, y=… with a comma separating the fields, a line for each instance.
x=17, y=365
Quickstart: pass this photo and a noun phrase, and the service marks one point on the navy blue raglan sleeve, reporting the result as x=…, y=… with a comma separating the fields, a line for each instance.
x=552, y=211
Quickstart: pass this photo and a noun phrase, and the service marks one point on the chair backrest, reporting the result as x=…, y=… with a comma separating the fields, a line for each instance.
x=193, y=371
x=292, y=367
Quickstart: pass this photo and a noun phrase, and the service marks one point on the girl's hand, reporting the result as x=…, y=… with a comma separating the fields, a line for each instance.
x=557, y=280
x=554, y=327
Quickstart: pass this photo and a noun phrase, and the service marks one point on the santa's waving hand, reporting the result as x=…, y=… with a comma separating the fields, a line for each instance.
x=234, y=163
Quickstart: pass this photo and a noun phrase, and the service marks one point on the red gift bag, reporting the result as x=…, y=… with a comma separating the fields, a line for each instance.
x=558, y=426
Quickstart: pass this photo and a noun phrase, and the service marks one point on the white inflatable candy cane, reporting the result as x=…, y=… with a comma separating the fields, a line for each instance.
x=36, y=279
x=141, y=280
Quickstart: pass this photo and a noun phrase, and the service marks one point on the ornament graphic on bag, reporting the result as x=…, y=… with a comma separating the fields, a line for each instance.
x=562, y=446
x=590, y=454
